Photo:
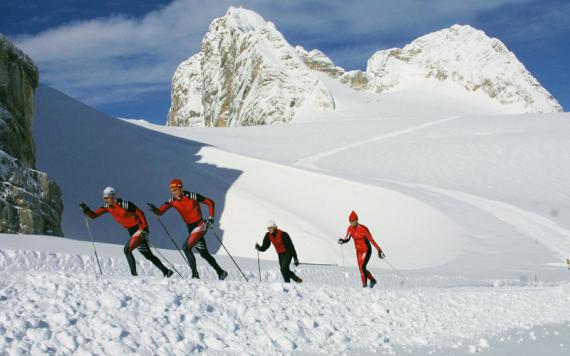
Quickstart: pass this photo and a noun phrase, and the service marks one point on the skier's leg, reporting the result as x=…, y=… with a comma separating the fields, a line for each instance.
x=360, y=257
x=203, y=250
x=196, y=233
x=191, y=259
x=133, y=242
x=284, y=268
x=367, y=273
x=287, y=262
x=144, y=249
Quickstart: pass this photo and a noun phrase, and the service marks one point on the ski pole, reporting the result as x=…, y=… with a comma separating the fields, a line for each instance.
x=318, y=264
x=164, y=258
x=93, y=243
x=228, y=252
x=258, y=266
x=343, y=266
x=171, y=239
x=394, y=268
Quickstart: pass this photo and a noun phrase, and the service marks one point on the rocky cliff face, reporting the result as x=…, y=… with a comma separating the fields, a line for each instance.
x=186, y=108
x=30, y=202
x=245, y=74
x=465, y=56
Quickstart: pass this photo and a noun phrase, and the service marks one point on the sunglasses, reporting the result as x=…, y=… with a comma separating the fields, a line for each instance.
x=174, y=188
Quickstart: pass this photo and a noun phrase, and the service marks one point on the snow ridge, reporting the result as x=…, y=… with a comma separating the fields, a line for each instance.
x=155, y=315
x=465, y=56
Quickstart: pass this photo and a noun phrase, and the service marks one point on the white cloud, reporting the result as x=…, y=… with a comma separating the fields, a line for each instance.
x=119, y=52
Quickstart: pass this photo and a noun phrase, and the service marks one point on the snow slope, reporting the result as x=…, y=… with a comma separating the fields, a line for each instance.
x=247, y=191
x=471, y=209
x=502, y=179
x=52, y=302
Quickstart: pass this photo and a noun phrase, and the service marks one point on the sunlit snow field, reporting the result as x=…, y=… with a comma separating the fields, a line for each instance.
x=471, y=206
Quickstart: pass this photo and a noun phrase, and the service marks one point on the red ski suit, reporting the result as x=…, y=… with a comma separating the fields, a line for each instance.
x=362, y=239
x=188, y=206
x=128, y=215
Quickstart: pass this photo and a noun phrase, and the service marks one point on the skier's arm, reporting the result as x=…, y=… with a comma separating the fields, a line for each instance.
x=346, y=238
x=209, y=202
x=163, y=208
x=289, y=245
x=371, y=239
x=266, y=242
x=95, y=214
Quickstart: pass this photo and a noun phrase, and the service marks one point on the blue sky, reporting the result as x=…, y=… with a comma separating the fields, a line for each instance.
x=119, y=55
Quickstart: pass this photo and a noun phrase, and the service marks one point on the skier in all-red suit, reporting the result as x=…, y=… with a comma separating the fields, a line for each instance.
x=362, y=239
x=285, y=250
x=188, y=206
x=131, y=218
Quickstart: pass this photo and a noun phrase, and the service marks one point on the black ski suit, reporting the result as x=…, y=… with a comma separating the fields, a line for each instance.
x=285, y=251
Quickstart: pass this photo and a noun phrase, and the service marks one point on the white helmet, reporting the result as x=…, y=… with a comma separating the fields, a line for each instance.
x=271, y=223
x=109, y=192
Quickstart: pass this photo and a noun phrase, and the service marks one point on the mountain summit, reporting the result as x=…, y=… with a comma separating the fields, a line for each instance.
x=465, y=56
x=245, y=74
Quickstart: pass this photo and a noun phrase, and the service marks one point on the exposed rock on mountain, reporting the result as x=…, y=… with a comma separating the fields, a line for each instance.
x=317, y=60
x=186, y=108
x=465, y=56
x=30, y=203
x=245, y=74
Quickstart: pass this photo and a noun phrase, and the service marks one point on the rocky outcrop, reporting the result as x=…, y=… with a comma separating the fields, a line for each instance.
x=186, y=108
x=356, y=79
x=246, y=74
x=30, y=203
x=466, y=56
x=317, y=60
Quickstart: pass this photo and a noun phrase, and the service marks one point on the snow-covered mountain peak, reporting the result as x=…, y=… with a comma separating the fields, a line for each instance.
x=466, y=56
x=245, y=74
x=244, y=20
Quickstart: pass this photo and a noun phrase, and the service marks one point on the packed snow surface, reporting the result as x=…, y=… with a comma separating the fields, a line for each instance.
x=54, y=302
x=471, y=210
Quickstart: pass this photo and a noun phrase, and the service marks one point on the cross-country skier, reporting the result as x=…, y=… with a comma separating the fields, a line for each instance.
x=131, y=218
x=188, y=206
x=285, y=250
x=362, y=239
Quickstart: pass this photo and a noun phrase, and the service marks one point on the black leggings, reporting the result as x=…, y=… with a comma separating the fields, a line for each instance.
x=284, y=262
x=203, y=251
x=144, y=249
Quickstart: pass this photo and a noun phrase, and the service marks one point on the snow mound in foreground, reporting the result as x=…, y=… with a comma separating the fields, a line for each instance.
x=74, y=312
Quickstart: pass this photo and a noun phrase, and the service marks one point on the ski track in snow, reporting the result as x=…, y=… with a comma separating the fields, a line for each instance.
x=527, y=223
x=73, y=311
x=310, y=162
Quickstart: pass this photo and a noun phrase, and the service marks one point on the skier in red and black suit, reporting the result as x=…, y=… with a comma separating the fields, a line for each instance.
x=131, y=218
x=188, y=206
x=362, y=239
x=285, y=250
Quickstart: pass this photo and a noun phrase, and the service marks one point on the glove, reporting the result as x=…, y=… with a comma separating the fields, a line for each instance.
x=257, y=247
x=151, y=207
x=84, y=207
x=381, y=254
x=341, y=241
x=296, y=262
x=210, y=222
